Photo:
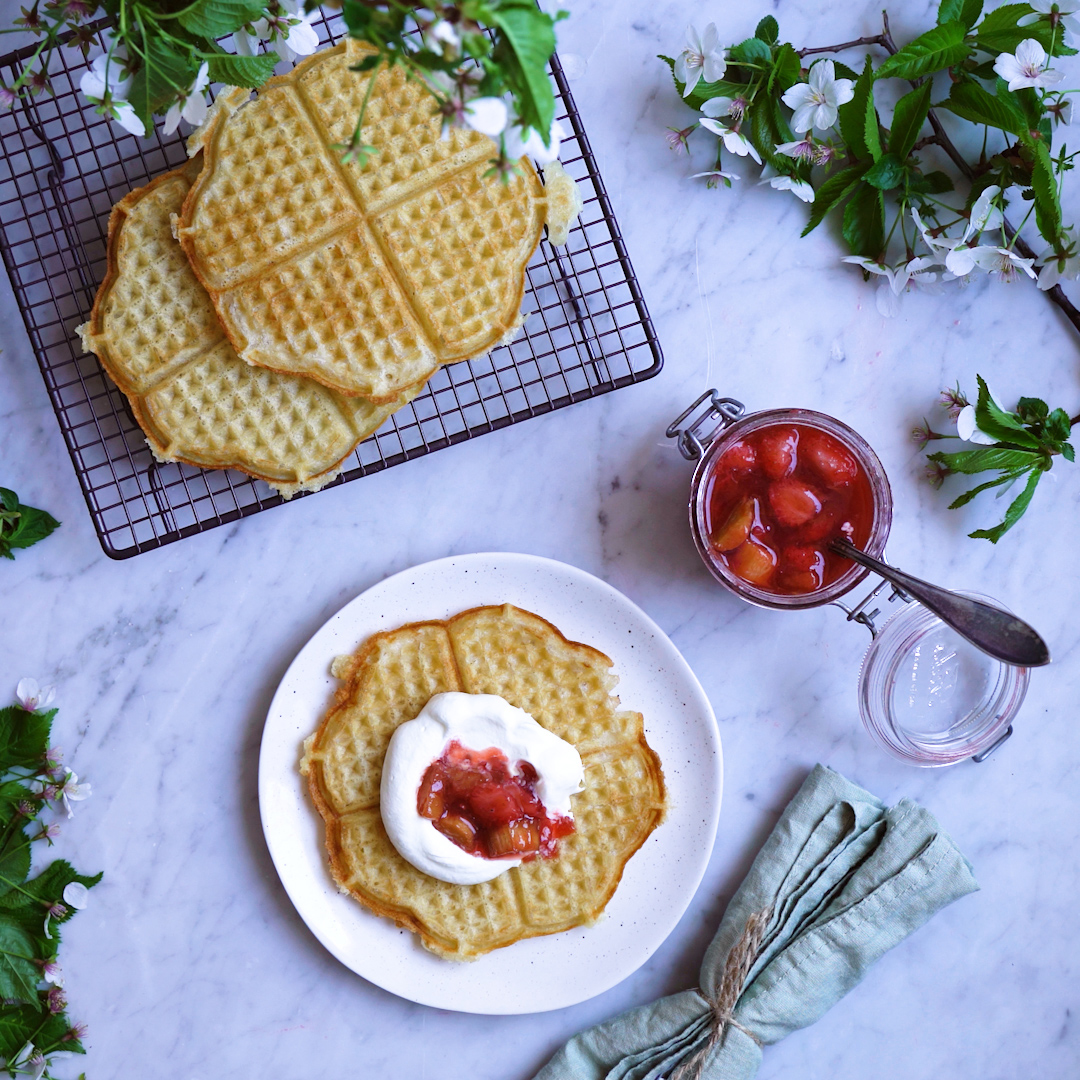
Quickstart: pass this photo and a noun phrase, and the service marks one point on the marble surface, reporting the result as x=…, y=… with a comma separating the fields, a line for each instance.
x=190, y=961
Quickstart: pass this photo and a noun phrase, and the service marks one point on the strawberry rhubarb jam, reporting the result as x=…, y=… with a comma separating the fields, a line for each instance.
x=474, y=799
x=774, y=500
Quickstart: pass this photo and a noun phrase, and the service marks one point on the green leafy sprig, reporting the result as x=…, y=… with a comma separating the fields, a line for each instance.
x=34, y=1023
x=21, y=526
x=492, y=48
x=1018, y=447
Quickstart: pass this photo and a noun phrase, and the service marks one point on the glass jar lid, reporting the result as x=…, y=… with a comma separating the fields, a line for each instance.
x=930, y=697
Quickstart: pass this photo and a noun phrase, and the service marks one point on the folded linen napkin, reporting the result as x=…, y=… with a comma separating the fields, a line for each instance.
x=840, y=881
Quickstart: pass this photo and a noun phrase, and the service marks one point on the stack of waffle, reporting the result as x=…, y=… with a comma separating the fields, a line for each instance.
x=266, y=307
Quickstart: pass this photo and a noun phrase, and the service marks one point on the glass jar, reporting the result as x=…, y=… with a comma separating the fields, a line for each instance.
x=926, y=695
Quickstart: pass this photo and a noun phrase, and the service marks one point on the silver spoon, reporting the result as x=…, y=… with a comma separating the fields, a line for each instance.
x=997, y=632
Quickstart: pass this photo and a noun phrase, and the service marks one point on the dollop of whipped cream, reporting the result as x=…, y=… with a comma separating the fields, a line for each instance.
x=477, y=721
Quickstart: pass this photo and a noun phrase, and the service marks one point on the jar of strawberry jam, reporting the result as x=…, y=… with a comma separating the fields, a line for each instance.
x=770, y=491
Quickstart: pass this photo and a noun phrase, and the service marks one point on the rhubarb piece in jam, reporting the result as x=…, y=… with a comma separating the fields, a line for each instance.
x=777, y=497
x=473, y=798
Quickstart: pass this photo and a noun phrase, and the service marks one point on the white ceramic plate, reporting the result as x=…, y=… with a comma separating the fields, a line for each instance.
x=536, y=974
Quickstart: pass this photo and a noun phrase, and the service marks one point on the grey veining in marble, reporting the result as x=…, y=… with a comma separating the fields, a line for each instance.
x=190, y=961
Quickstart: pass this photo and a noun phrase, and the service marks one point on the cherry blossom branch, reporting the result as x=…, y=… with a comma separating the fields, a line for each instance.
x=940, y=138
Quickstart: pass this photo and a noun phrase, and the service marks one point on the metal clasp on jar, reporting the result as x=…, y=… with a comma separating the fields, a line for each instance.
x=692, y=443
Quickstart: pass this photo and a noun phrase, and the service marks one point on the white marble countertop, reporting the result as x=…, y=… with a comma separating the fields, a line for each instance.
x=190, y=961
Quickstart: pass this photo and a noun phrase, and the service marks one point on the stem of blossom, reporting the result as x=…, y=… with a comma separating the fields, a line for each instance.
x=877, y=39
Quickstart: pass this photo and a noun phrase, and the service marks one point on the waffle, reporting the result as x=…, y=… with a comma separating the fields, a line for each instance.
x=157, y=335
x=365, y=279
x=567, y=687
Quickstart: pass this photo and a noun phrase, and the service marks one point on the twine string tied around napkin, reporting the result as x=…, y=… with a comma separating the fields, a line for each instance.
x=740, y=960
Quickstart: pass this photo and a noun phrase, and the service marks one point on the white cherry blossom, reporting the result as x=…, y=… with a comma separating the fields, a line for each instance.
x=520, y=141
x=1027, y=67
x=816, y=101
x=968, y=429
x=1063, y=10
x=714, y=175
x=986, y=213
x=1000, y=262
x=32, y=697
x=191, y=106
x=106, y=86
x=803, y=150
x=27, y=1062
x=702, y=56
x=733, y=142
x=289, y=30
x=799, y=188
x=76, y=895
x=1059, y=263
x=887, y=296
x=70, y=790
x=488, y=115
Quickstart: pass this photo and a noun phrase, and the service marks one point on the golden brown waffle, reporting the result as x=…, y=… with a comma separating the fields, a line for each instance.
x=156, y=333
x=568, y=688
x=365, y=279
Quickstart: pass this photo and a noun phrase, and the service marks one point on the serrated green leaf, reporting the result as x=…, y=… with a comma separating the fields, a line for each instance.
x=936, y=182
x=1047, y=203
x=963, y=500
x=526, y=41
x=887, y=173
x=751, y=51
x=999, y=424
x=833, y=192
x=246, y=71
x=164, y=74
x=864, y=222
x=24, y=737
x=908, y=119
x=216, y=18
x=14, y=864
x=852, y=114
x=1067, y=452
x=787, y=67
x=872, y=132
x=20, y=1023
x=9, y=499
x=1031, y=409
x=19, y=975
x=999, y=33
x=987, y=458
x=1013, y=514
x=768, y=128
x=48, y=888
x=962, y=11
x=970, y=101
x=942, y=47
x=33, y=525
x=768, y=30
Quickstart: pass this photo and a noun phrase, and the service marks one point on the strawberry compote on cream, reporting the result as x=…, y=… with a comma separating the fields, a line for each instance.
x=474, y=786
x=472, y=797
x=775, y=500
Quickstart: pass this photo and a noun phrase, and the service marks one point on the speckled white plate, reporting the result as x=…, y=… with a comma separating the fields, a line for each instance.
x=539, y=973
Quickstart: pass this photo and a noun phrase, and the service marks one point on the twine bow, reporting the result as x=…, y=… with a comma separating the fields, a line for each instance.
x=739, y=962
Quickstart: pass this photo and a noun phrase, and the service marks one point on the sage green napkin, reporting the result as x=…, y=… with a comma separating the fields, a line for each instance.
x=840, y=881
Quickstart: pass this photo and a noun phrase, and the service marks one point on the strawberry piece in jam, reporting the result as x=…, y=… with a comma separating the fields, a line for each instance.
x=775, y=500
x=473, y=798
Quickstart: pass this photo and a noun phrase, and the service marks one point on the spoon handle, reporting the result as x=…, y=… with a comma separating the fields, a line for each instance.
x=997, y=632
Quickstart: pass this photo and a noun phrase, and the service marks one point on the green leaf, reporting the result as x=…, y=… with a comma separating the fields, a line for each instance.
x=987, y=458
x=932, y=183
x=15, y=864
x=19, y=975
x=787, y=67
x=998, y=32
x=9, y=499
x=1013, y=514
x=164, y=74
x=962, y=11
x=853, y=114
x=768, y=128
x=942, y=47
x=246, y=71
x=872, y=132
x=970, y=101
x=1067, y=452
x=216, y=18
x=24, y=737
x=20, y=1023
x=1047, y=204
x=768, y=30
x=864, y=222
x=1004, y=478
x=526, y=42
x=1033, y=409
x=833, y=192
x=33, y=525
x=887, y=173
x=908, y=119
x=751, y=51
x=1058, y=424
x=999, y=424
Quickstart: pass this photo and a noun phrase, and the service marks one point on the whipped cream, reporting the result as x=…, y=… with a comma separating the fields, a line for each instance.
x=477, y=721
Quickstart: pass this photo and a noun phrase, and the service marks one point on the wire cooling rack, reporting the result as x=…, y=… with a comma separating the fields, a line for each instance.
x=64, y=165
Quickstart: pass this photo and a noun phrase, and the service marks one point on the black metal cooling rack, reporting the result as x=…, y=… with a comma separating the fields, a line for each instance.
x=588, y=331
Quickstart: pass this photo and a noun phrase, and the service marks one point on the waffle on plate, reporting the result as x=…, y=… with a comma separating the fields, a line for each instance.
x=567, y=687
